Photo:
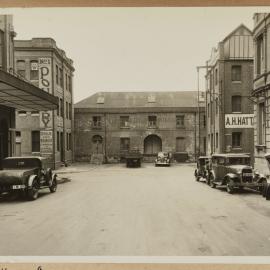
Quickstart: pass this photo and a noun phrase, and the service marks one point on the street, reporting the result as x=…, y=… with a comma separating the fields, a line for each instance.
x=111, y=210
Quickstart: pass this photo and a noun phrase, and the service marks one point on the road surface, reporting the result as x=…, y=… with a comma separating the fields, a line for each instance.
x=116, y=211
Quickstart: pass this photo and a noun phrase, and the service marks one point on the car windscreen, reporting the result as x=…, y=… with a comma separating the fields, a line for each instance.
x=20, y=163
x=239, y=161
x=202, y=161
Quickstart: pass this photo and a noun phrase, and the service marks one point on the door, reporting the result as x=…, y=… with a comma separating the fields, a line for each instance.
x=97, y=144
x=152, y=145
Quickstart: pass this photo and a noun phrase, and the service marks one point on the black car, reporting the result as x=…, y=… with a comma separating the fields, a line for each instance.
x=203, y=167
x=27, y=175
x=163, y=159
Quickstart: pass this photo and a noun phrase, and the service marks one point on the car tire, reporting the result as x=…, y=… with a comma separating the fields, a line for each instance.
x=197, y=178
x=261, y=188
x=229, y=187
x=32, y=193
x=267, y=192
x=264, y=189
x=53, y=187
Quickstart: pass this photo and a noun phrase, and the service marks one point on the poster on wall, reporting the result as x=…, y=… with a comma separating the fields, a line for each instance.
x=46, y=143
x=45, y=74
x=239, y=120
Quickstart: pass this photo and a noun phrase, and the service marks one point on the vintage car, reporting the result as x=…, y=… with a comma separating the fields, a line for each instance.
x=163, y=159
x=203, y=167
x=266, y=187
x=133, y=158
x=27, y=175
x=234, y=171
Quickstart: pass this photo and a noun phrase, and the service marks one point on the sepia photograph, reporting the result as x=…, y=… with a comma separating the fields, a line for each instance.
x=135, y=131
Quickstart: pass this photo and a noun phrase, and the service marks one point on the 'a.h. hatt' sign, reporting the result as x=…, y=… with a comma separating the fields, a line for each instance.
x=45, y=74
x=239, y=120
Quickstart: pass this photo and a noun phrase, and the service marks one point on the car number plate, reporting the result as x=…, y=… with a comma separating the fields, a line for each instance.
x=247, y=174
x=18, y=186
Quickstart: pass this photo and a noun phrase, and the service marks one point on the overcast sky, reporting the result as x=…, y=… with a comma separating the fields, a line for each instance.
x=133, y=49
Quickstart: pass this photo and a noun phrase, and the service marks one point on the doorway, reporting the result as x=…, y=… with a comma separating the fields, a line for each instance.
x=97, y=144
x=152, y=145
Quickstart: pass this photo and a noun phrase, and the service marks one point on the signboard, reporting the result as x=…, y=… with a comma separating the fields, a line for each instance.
x=239, y=120
x=34, y=65
x=45, y=74
x=46, y=121
x=46, y=143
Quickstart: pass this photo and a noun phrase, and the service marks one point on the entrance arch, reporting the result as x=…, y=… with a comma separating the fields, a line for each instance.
x=97, y=144
x=152, y=145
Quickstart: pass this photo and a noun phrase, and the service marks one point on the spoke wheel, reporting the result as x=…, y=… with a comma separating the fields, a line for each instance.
x=33, y=192
x=53, y=187
x=229, y=187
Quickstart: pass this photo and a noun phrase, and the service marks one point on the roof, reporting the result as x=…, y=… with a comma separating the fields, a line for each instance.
x=232, y=155
x=236, y=29
x=27, y=157
x=21, y=95
x=118, y=100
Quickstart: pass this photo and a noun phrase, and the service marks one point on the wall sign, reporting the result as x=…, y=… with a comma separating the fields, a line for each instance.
x=239, y=120
x=45, y=74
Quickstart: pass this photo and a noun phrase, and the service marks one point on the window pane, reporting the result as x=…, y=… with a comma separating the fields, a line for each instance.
x=124, y=121
x=236, y=139
x=236, y=104
x=124, y=144
x=236, y=73
x=35, y=141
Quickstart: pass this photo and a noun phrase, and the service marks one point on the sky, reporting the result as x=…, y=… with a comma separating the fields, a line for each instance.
x=133, y=49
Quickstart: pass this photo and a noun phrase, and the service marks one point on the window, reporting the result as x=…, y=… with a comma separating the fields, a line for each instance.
x=236, y=139
x=61, y=77
x=18, y=137
x=58, y=141
x=57, y=74
x=34, y=70
x=261, y=124
x=216, y=105
x=100, y=100
x=124, y=121
x=70, y=142
x=208, y=109
x=61, y=107
x=216, y=139
x=22, y=113
x=70, y=111
x=34, y=113
x=58, y=109
x=236, y=104
x=2, y=46
x=67, y=107
x=66, y=79
x=152, y=121
x=67, y=141
x=260, y=55
x=124, y=144
x=236, y=73
x=204, y=121
x=180, y=121
x=70, y=83
x=35, y=141
x=96, y=121
x=216, y=77
x=21, y=68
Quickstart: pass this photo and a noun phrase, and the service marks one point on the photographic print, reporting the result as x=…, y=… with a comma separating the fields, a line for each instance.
x=134, y=131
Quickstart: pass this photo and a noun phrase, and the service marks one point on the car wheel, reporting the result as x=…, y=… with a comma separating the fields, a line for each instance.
x=229, y=186
x=197, y=178
x=264, y=189
x=261, y=188
x=211, y=181
x=267, y=192
x=33, y=192
x=53, y=187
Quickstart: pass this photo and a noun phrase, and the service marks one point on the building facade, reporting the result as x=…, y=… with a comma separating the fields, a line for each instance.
x=15, y=92
x=229, y=108
x=113, y=123
x=46, y=133
x=261, y=89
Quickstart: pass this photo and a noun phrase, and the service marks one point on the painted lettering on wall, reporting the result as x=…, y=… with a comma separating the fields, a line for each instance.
x=239, y=120
x=45, y=74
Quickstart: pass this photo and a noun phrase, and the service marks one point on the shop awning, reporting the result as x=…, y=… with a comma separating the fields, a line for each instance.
x=23, y=95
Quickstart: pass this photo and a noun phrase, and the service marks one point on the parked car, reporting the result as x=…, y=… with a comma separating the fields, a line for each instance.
x=133, y=158
x=234, y=171
x=266, y=187
x=27, y=175
x=203, y=167
x=163, y=159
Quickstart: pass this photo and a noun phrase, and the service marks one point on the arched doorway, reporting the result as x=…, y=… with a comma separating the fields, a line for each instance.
x=152, y=145
x=97, y=144
x=3, y=140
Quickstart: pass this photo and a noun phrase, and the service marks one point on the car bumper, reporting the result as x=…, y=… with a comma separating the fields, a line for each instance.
x=248, y=185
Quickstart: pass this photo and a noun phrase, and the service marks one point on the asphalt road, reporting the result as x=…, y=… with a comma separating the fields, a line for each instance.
x=112, y=210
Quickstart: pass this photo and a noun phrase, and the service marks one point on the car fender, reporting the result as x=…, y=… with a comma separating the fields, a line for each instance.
x=213, y=173
x=31, y=179
x=261, y=178
x=231, y=176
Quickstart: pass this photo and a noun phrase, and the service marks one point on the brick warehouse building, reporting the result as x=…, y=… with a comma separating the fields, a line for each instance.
x=15, y=92
x=46, y=133
x=261, y=89
x=112, y=123
x=229, y=82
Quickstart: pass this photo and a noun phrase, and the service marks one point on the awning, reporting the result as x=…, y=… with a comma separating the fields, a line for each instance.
x=23, y=95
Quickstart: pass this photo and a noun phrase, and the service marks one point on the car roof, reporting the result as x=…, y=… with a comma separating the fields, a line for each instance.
x=232, y=155
x=28, y=157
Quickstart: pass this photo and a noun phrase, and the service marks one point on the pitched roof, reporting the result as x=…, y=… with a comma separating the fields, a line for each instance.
x=140, y=100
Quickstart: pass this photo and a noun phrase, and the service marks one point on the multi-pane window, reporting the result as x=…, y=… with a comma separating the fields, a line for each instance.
x=152, y=121
x=34, y=70
x=124, y=144
x=261, y=124
x=216, y=139
x=70, y=83
x=236, y=73
x=57, y=74
x=21, y=68
x=58, y=141
x=180, y=121
x=216, y=105
x=70, y=141
x=2, y=46
x=70, y=111
x=96, y=121
x=124, y=121
x=236, y=104
x=216, y=76
x=35, y=141
x=67, y=107
x=61, y=77
x=260, y=54
x=67, y=141
x=236, y=139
